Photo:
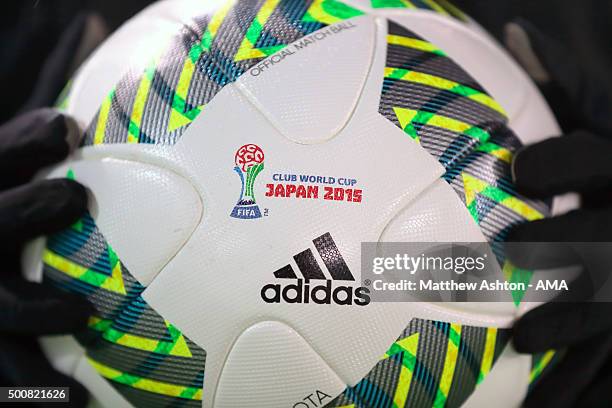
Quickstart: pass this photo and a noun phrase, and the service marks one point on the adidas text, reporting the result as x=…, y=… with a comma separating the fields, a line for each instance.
x=323, y=294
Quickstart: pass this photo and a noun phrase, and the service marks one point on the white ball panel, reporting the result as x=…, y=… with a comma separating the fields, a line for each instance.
x=63, y=352
x=145, y=212
x=282, y=370
x=506, y=384
x=223, y=247
x=288, y=88
x=437, y=215
x=31, y=259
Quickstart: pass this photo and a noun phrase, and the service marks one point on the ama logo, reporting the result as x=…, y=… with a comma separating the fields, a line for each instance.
x=249, y=161
x=314, y=286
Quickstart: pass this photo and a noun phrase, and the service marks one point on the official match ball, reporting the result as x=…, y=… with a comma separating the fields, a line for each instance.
x=238, y=153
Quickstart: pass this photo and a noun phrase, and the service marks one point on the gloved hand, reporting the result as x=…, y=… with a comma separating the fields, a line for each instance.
x=27, y=210
x=579, y=161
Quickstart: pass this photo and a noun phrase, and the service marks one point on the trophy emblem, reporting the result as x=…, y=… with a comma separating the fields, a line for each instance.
x=249, y=161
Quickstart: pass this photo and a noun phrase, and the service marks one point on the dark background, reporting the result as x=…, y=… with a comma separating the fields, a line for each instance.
x=584, y=26
x=30, y=29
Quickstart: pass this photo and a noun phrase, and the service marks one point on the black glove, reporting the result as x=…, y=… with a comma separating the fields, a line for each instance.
x=27, y=210
x=579, y=161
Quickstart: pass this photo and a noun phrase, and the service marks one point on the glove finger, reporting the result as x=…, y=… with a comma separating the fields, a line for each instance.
x=558, y=325
x=32, y=141
x=575, y=226
x=23, y=364
x=40, y=208
x=594, y=281
x=28, y=308
x=563, y=386
x=576, y=96
x=576, y=162
x=539, y=255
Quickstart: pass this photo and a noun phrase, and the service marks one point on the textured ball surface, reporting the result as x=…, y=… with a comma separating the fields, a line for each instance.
x=379, y=121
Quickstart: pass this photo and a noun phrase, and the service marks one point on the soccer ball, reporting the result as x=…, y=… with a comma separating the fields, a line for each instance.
x=237, y=149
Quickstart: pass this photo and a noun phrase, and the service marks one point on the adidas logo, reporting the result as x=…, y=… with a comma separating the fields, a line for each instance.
x=305, y=291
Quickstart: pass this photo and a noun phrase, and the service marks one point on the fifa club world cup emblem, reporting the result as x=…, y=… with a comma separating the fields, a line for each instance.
x=249, y=163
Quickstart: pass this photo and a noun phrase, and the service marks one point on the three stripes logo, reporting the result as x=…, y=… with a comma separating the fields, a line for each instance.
x=306, y=289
